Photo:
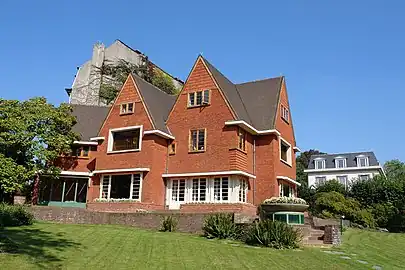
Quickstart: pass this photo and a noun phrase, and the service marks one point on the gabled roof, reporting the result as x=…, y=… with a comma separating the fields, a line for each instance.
x=157, y=102
x=254, y=102
x=351, y=159
x=89, y=120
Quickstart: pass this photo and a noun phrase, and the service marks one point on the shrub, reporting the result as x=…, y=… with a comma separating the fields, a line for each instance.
x=220, y=225
x=14, y=215
x=382, y=213
x=397, y=222
x=332, y=185
x=169, y=224
x=273, y=234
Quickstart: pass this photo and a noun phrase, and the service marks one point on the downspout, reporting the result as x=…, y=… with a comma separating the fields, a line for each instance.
x=166, y=171
x=254, y=169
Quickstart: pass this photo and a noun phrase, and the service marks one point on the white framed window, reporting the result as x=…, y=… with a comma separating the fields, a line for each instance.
x=285, y=114
x=127, y=108
x=197, y=140
x=178, y=190
x=364, y=177
x=199, y=190
x=320, y=164
x=243, y=188
x=122, y=186
x=241, y=139
x=125, y=139
x=221, y=189
x=362, y=161
x=340, y=162
x=286, y=190
x=320, y=180
x=342, y=179
x=199, y=98
x=285, y=152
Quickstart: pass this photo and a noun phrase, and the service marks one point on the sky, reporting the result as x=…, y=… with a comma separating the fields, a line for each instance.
x=344, y=61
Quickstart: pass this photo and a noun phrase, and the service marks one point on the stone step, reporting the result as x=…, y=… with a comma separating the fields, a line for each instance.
x=316, y=234
x=315, y=238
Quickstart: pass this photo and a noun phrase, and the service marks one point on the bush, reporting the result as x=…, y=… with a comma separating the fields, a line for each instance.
x=397, y=222
x=169, y=224
x=273, y=234
x=220, y=226
x=14, y=215
x=382, y=213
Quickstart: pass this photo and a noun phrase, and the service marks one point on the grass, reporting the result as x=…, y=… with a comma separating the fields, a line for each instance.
x=61, y=246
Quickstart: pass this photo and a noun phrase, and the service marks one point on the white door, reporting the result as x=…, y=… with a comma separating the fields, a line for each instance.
x=178, y=192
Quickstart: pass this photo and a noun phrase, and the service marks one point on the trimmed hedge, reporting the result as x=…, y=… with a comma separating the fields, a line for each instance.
x=14, y=215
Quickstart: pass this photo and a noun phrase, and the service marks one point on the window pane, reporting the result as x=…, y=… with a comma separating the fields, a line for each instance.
x=225, y=188
x=293, y=218
x=217, y=189
x=320, y=180
x=136, y=187
x=175, y=189
x=195, y=189
x=207, y=96
x=194, y=140
x=242, y=139
x=130, y=107
x=120, y=186
x=104, y=193
x=70, y=187
x=284, y=150
x=182, y=190
x=319, y=164
x=191, y=99
x=123, y=108
x=203, y=189
x=280, y=217
x=81, y=190
x=126, y=140
x=286, y=190
x=199, y=98
x=201, y=139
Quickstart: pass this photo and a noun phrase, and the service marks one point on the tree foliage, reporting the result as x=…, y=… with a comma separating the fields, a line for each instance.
x=32, y=134
x=394, y=169
x=114, y=74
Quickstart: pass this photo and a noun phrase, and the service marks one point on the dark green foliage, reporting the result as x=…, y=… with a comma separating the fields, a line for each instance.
x=331, y=185
x=396, y=223
x=335, y=205
x=273, y=234
x=14, y=215
x=220, y=225
x=383, y=213
x=169, y=224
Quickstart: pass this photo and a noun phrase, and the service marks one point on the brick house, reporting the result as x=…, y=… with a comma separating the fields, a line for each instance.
x=217, y=146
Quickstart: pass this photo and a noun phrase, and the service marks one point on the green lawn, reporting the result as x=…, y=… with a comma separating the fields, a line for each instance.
x=57, y=246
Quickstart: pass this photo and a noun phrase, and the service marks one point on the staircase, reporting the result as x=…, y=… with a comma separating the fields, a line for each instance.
x=314, y=232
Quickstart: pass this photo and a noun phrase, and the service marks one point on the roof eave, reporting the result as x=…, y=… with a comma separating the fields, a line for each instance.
x=249, y=128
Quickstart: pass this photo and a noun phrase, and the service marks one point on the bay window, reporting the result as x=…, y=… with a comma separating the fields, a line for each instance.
x=199, y=188
x=221, y=189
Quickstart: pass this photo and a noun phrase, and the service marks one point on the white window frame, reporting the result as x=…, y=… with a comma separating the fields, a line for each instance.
x=337, y=162
x=366, y=161
x=323, y=162
x=343, y=176
x=285, y=114
x=106, y=180
x=230, y=190
x=198, y=189
x=204, y=102
x=243, y=190
x=111, y=139
x=126, y=106
x=190, y=146
x=289, y=152
x=365, y=175
x=317, y=180
x=281, y=190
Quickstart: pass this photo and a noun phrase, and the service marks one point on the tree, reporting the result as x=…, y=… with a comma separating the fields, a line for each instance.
x=394, y=169
x=113, y=75
x=32, y=134
x=302, y=162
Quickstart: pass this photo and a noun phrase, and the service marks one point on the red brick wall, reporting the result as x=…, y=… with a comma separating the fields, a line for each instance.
x=74, y=164
x=287, y=132
x=153, y=154
x=244, y=208
x=213, y=117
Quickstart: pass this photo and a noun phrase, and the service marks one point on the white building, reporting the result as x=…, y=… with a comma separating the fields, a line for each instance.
x=345, y=168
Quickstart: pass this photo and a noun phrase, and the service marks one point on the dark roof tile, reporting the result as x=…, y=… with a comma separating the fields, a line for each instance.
x=350, y=159
x=89, y=119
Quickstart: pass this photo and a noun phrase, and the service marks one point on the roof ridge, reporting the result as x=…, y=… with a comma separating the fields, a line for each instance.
x=345, y=153
x=261, y=80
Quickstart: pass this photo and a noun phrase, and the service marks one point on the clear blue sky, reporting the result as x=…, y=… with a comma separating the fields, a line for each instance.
x=344, y=60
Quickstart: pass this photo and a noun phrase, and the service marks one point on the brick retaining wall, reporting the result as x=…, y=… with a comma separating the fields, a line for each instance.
x=187, y=222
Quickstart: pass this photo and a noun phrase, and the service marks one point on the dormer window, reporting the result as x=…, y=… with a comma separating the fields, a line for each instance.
x=199, y=98
x=340, y=162
x=320, y=164
x=127, y=108
x=362, y=161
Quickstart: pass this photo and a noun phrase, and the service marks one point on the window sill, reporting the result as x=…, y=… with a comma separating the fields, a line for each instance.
x=83, y=157
x=197, y=106
x=123, y=151
x=126, y=113
x=286, y=163
x=172, y=154
x=196, y=151
x=238, y=149
x=286, y=121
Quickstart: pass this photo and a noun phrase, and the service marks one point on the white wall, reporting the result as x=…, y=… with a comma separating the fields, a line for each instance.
x=351, y=175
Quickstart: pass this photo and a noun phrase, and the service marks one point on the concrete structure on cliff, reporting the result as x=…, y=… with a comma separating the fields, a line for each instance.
x=86, y=85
